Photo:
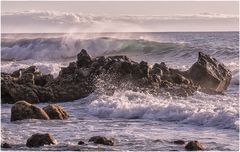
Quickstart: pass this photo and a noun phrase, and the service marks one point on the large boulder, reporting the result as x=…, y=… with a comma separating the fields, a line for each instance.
x=55, y=111
x=194, y=146
x=38, y=140
x=23, y=110
x=210, y=73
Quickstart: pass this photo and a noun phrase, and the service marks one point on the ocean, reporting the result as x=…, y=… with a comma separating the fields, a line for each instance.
x=138, y=121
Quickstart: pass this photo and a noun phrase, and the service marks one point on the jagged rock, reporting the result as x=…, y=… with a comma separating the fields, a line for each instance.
x=38, y=140
x=162, y=66
x=26, y=78
x=17, y=74
x=194, y=146
x=23, y=110
x=83, y=77
x=31, y=69
x=6, y=145
x=13, y=92
x=179, y=142
x=102, y=140
x=83, y=59
x=210, y=73
x=55, y=111
x=42, y=80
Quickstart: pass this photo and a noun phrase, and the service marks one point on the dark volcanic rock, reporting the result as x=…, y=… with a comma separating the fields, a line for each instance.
x=38, y=140
x=102, y=140
x=194, y=146
x=6, y=145
x=209, y=73
x=42, y=80
x=55, y=111
x=13, y=92
x=23, y=110
x=83, y=59
x=107, y=74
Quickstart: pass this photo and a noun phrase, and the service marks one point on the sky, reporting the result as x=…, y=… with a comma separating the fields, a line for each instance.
x=121, y=16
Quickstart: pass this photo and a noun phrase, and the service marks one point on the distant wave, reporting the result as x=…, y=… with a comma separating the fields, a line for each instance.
x=60, y=48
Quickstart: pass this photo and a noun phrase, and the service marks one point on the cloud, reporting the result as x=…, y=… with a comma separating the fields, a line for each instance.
x=50, y=21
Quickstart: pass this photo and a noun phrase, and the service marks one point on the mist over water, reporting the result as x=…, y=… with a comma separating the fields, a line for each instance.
x=135, y=118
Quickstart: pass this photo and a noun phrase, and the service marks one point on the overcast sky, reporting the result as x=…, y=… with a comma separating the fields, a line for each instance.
x=76, y=16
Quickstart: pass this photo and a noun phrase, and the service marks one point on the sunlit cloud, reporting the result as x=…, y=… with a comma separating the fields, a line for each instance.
x=51, y=21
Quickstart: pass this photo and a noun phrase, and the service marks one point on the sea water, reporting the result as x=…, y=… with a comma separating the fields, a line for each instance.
x=138, y=121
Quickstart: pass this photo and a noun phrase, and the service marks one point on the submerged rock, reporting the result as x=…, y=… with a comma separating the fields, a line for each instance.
x=81, y=142
x=6, y=145
x=194, y=146
x=38, y=140
x=179, y=142
x=102, y=140
x=23, y=110
x=55, y=111
x=209, y=73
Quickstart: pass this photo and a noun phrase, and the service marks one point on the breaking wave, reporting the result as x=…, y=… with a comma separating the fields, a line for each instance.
x=200, y=109
x=65, y=47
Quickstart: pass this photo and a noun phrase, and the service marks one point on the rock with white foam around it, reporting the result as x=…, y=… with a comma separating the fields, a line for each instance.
x=87, y=74
x=38, y=140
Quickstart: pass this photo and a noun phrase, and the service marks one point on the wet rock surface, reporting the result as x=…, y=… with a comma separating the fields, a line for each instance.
x=24, y=110
x=210, y=74
x=102, y=140
x=88, y=74
x=194, y=146
x=55, y=111
x=38, y=140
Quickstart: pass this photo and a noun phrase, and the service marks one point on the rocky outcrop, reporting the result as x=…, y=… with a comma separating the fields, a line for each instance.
x=23, y=110
x=107, y=74
x=102, y=140
x=210, y=74
x=194, y=146
x=38, y=140
x=55, y=111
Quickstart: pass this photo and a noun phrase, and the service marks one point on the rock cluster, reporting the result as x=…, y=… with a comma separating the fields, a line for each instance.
x=23, y=110
x=87, y=74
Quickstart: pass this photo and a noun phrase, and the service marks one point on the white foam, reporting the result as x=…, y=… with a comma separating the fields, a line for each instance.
x=45, y=67
x=200, y=109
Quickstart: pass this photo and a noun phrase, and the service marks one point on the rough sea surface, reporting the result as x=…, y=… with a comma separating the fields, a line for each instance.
x=138, y=121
